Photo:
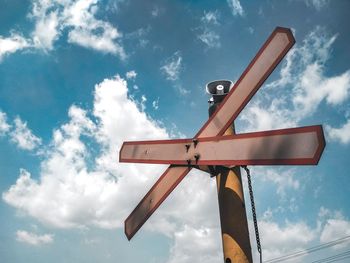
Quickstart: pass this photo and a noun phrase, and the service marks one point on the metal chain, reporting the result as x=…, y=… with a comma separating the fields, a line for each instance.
x=253, y=211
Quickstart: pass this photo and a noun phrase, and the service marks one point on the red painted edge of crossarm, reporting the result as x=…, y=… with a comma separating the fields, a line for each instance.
x=120, y=152
x=153, y=161
x=293, y=130
x=272, y=162
x=167, y=141
x=322, y=144
x=229, y=137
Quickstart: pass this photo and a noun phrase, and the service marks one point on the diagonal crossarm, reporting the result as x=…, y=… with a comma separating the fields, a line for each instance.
x=268, y=57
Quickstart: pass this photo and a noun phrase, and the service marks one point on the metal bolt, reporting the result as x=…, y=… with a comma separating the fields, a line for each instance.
x=195, y=142
x=196, y=156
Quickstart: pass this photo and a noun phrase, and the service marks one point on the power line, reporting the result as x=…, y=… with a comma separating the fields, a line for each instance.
x=334, y=258
x=338, y=259
x=309, y=250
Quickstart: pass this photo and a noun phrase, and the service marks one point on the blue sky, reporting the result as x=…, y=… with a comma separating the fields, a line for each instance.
x=80, y=77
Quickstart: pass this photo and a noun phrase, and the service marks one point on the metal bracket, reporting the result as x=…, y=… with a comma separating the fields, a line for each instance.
x=213, y=171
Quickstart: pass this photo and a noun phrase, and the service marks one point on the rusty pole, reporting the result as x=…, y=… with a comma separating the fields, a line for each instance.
x=233, y=218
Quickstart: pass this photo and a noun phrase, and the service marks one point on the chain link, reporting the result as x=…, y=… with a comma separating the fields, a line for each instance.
x=253, y=211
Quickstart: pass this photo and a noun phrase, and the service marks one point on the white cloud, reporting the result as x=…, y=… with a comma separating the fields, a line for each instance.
x=88, y=31
x=196, y=245
x=211, y=17
x=84, y=190
x=20, y=134
x=302, y=87
x=114, y=6
x=260, y=117
x=317, y=4
x=341, y=134
x=155, y=104
x=139, y=36
x=33, y=239
x=335, y=229
x=235, y=7
x=183, y=91
x=172, y=66
x=314, y=87
x=284, y=239
x=207, y=30
x=324, y=212
x=12, y=44
x=108, y=95
x=155, y=11
x=251, y=30
x=281, y=240
x=131, y=74
x=333, y=226
x=284, y=179
x=46, y=31
x=77, y=17
x=4, y=126
x=143, y=103
x=23, y=137
x=305, y=70
x=103, y=42
x=210, y=38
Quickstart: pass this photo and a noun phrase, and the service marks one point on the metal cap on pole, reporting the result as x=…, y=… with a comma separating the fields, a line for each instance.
x=218, y=90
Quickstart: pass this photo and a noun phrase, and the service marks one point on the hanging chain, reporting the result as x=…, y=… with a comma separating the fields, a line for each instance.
x=253, y=211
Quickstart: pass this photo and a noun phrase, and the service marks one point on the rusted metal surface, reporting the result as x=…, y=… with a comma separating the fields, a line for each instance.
x=302, y=146
x=251, y=80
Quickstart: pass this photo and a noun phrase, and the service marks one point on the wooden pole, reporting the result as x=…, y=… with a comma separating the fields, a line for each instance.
x=233, y=218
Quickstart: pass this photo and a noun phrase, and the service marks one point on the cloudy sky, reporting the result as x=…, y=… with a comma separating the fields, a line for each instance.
x=77, y=78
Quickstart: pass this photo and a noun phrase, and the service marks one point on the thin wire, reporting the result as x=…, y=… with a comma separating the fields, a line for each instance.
x=334, y=258
x=338, y=259
x=308, y=250
x=253, y=212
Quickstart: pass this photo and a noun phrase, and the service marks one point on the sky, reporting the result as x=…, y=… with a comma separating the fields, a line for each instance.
x=79, y=77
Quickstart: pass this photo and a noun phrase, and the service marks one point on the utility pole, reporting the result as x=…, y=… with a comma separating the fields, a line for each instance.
x=216, y=149
x=233, y=217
